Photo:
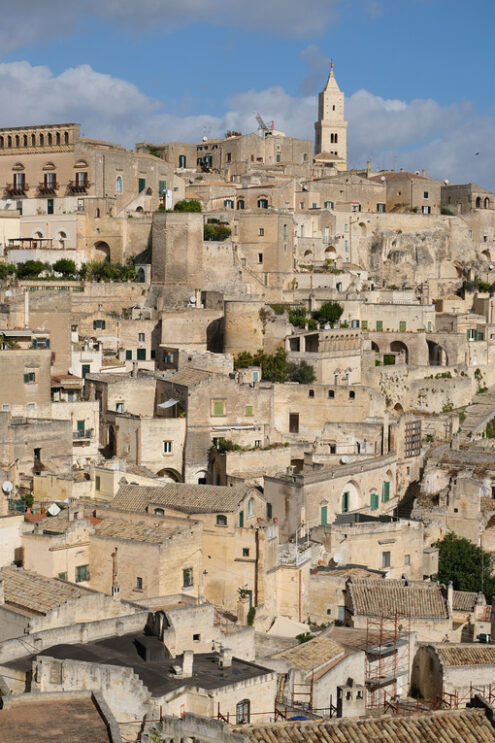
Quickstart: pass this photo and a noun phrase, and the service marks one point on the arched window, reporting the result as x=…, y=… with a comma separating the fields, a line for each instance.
x=33, y=140
x=242, y=712
x=228, y=203
x=221, y=520
x=250, y=510
x=17, y=142
x=49, y=139
x=240, y=203
x=159, y=512
x=1, y=143
x=478, y=202
x=66, y=137
x=42, y=140
x=9, y=141
x=182, y=161
x=118, y=184
x=262, y=203
x=25, y=140
x=57, y=138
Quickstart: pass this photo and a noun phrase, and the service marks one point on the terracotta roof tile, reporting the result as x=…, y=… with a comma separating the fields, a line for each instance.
x=309, y=656
x=180, y=497
x=466, y=655
x=377, y=597
x=35, y=593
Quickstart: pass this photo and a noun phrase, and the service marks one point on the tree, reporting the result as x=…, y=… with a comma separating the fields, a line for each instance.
x=30, y=269
x=302, y=373
x=6, y=269
x=329, y=312
x=274, y=367
x=65, y=266
x=188, y=205
x=466, y=565
x=217, y=232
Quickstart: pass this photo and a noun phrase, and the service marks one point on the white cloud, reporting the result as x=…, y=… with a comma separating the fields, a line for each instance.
x=28, y=21
x=416, y=134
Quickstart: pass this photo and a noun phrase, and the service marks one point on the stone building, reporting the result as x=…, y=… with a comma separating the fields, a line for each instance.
x=411, y=191
x=331, y=128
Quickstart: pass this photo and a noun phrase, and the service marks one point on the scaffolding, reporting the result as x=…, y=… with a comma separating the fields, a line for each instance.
x=387, y=658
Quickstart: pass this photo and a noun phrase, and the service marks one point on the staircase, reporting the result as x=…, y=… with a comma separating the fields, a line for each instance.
x=478, y=414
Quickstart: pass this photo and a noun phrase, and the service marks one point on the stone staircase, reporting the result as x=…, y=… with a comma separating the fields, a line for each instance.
x=478, y=414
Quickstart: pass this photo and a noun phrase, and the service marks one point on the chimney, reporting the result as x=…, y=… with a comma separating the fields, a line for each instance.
x=187, y=663
x=2, y=592
x=450, y=597
x=423, y=172
x=225, y=658
x=115, y=585
x=26, y=308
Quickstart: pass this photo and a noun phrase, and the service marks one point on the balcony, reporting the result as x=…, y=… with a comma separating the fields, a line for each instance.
x=16, y=189
x=78, y=186
x=45, y=189
x=83, y=435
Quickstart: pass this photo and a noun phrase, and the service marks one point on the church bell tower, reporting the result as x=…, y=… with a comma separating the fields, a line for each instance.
x=331, y=127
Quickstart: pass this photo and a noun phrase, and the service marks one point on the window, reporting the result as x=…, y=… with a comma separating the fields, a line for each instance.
x=167, y=447
x=221, y=519
x=260, y=257
x=81, y=426
x=228, y=203
x=352, y=395
x=62, y=576
x=196, y=637
x=218, y=407
x=385, y=491
x=364, y=325
x=242, y=712
x=293, y=422
x=5, y=407
x=250, y=509
x=245, y=551
x=277, y=158
x=141, y=354
x=82, y=573
x=162, y=187
x=262, y=203
x=187, y=578
x=380, y=207
x=374, y=501
x=128, y=354
x=323, y=515
x=345, y=501
x=385, y=559
x=379, y=324
x=159, y=512
x=402, y=326
x=407, y=559
x=81, y=180
x=97, y=482
x=141, y=184
x=249, y=410
x=426, y=209
x=99, y=324
x=328, y=204
x=261, y=232
x=425, y=194
x=332, y=448
x=31, y=406
x=118, y=184
x=241, y=519
x=269, y=510
x=140, y=337
x=85, y=369
x=257, y=443
x=139, y=584
x=331, y=394
x=29, y=378
x=240, y=204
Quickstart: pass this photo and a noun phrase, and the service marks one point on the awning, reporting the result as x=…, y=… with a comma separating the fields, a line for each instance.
x=168, y=404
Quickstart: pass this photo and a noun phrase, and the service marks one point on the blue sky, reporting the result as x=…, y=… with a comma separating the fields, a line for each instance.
x=417, y=73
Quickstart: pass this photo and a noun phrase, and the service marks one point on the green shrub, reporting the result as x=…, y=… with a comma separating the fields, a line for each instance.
x=329, y=312
x=188, y=205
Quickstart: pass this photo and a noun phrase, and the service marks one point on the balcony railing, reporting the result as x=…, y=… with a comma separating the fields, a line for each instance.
x=78, y=187
x=16, y=189
x=48, y=188
x=87, y=434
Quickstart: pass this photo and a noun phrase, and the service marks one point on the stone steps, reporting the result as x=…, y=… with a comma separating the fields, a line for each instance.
x=479, y=413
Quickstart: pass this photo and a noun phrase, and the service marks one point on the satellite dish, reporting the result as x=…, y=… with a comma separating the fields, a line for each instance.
x=337, y=558
x=383, y=179
x=8, y=293
x=344, y=459
x=205, y=139
x=53, y=510
x=491, y=267
x=7, y=487
x=72, y=371
x=192, y=300
x=446, y=182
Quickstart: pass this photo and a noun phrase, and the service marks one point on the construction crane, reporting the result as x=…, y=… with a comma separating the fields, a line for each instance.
x=264, y=128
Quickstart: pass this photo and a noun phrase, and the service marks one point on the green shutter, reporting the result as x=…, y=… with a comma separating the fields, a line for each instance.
x=374, y=501
x=364, y=325
x=249, y=410
x=26, y=378
x=385, y=491
x=241, y=519
x=269, y=510
x=218, y=407
x=128, y=354
x=323, y=515
x=402, y=326
x=345, y=502
x=141, y=184
x=379, y=324
x=141, y=354
x=80, y=426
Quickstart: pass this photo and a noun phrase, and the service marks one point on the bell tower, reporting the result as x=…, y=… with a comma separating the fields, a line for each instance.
x=331, y=128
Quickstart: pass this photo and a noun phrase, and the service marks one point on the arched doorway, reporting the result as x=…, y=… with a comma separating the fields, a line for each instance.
x=101, y=251
x=437, y=356
x=141, y=276
x=478, y=202
x=487, y=255
x=399, y=347
x=398, y=408
x=487, y=203
x=169, y=474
